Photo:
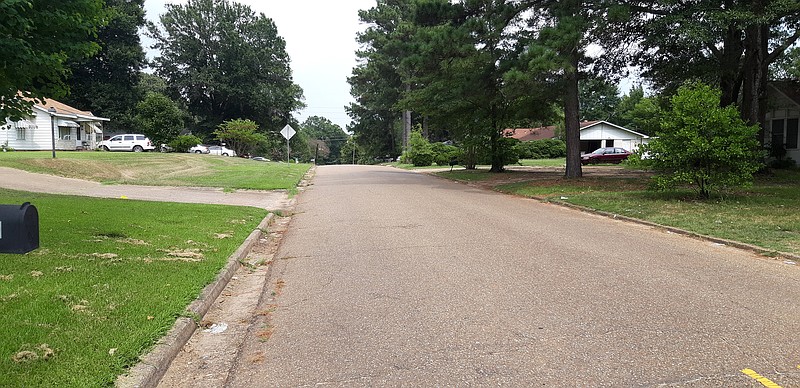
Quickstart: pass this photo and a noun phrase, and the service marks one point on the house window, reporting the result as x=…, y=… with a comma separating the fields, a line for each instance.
x=791, y=133
x=785, y=133
x=64, y=133
x=21, y=133
x=777, y=132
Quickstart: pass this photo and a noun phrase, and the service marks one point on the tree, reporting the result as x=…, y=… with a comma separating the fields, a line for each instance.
x=598, y=99
x=703, y=144
x=640, y=113
x=37, y=39
x=242, y=136
x=461, y=74
x=729, y=43
x=225, y=62
x=376, y=83
x=106, y=83
x=159, y=118
x=323, y=132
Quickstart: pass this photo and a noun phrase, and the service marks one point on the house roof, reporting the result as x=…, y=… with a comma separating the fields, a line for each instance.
x=789, y=88
x=593, y=123
x=548, y=132
x=66, y=111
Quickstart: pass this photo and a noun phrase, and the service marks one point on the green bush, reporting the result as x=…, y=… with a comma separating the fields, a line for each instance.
x=443, y=153
x=542, y=149
x=702, y=144
x=182, y=143
x=420, y=151
x=423, y=159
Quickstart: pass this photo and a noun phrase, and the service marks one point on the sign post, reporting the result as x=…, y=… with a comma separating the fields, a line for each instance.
x=287, y=132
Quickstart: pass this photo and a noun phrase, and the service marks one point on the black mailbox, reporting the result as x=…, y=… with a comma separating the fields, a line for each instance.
x=19, y=228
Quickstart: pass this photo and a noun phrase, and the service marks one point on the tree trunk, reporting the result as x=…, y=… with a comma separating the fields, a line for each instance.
x=572, y=116
x=406, y=124
x=730, y=69
x=497, y=154
x=753, y=108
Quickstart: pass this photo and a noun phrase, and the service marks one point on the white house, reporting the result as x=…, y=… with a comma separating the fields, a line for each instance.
x=72, y=128
x=597, y=134
x=594, y=135
x=783, y=114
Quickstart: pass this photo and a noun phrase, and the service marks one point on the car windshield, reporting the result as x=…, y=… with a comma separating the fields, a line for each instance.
x=599, y=151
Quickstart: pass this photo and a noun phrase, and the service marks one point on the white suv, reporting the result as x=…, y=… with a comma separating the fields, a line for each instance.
x=126, y=142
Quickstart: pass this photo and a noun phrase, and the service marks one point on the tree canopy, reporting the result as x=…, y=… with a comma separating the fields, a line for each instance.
x=225, y=62
x=37, y=39
x=106, y=83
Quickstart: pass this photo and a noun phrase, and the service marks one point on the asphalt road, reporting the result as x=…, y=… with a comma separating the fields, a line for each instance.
x=388, y=277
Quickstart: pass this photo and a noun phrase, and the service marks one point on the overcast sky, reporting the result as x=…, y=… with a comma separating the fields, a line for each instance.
x=320, y=40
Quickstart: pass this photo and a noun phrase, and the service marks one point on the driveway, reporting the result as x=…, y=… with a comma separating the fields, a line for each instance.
x=40, y=183
x=389, y=277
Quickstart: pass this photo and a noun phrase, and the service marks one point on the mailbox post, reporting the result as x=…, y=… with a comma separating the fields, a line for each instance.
x=19, y=228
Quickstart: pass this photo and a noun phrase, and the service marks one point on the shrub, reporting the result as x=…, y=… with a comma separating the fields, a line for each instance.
x=182, y=143
x=542, y=149
x=443, y=153
x=702, y=144
x=420, y=151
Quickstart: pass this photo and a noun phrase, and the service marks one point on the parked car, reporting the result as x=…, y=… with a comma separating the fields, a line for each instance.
x=199, y=149
x=220, y=150
x=605, y=155
x=127, y=142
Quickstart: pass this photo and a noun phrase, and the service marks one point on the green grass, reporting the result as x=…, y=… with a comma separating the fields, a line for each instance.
x=160, y=169
x=558, y=162
x=110, y=278
x=766, y=215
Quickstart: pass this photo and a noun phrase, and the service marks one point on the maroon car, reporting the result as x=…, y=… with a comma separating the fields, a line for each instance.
x=605, y=155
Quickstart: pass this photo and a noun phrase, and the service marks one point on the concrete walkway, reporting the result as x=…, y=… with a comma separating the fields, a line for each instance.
x=41, y=183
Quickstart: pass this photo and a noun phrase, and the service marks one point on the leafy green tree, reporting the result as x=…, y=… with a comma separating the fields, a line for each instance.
x=787, y=66
x=420, y=151
x=159, y=118
x=728, y=43
x=226, y=62
x=37, y=39
x=242, y=136
x=564, y=30
x=598, y=99
x=106, y=83
x=703, y=144
x=183, y=143
x=376, y=83
x=323, y=132
x=460, y=68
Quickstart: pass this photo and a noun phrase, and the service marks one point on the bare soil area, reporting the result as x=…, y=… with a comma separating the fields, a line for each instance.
x=240, y=315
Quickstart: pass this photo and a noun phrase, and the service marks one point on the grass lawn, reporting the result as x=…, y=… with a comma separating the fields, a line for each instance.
x=766, y=215
x=161, y=169
x=109, y=280
x=559, y=162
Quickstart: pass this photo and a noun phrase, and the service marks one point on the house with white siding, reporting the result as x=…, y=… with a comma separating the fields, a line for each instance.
x=594, y=135
x=783, y=115
x=72, y=129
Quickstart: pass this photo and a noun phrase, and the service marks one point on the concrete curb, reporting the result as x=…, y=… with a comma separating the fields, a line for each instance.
x=152, y=367
x=671, y=229
x=736, y=244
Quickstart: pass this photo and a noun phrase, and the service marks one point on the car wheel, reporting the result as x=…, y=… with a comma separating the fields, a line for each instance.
x=198, y=152
x=225, y=155
x=137, y=149
x=104, y=148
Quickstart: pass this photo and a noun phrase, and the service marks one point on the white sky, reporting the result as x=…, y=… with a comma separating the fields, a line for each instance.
x=320, y=40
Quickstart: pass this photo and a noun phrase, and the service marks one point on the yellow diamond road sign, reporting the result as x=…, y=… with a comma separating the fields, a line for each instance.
x=287, y=132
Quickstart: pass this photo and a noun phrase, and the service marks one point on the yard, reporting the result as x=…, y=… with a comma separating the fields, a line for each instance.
x=106, y=283
x=765, y=215
x=161, y=169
